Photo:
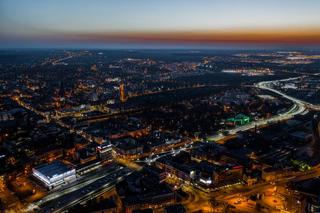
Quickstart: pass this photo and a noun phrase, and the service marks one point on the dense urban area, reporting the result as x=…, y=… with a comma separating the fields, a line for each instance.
x=159, y=131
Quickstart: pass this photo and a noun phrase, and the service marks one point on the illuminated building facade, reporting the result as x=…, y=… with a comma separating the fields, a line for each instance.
x=239, y=120
x=54, y=174
x=105, y=151
x=123, y=97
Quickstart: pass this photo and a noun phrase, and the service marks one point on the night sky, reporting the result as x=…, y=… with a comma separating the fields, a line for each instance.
x=167, y=23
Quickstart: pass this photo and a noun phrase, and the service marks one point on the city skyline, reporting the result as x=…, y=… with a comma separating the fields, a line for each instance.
x=120, y=24
x=149, y=106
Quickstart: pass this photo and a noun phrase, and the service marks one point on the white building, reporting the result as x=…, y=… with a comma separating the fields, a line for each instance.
x=54, y=174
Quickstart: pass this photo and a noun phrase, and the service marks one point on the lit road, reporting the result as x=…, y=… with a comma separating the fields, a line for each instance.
x=81, y=133
x=197, y=200
x=266, y=85
x=246, y=191
x=195, y=195
x=296, y=109
x=299, y=107
x=85, y=189
x=173, y=152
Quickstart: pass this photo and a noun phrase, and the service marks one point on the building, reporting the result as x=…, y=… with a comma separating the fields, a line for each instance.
x=54, y=174
x=105, y=206
x=316, y=129
x=271, y=174
x=204, y=173
x=142, y=190
x=178, y=208
x=104, y=151
x=123, y=97
x=301, y=136
x=206, y=151
x=238, y=120
x=87, y=154
x=313, y=204
x=128, y=147
x=311, y=190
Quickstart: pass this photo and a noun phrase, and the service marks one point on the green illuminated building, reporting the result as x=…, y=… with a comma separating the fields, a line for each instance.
x=240, y=119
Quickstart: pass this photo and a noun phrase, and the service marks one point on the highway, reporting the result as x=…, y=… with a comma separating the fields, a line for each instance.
x=299, y=107
x=85, y=189
x=196, y=195
x=266, y=85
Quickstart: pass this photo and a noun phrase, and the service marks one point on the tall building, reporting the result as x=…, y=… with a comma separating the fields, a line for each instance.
x=313, y=204
x=316, y=130
x=104, y=151
x=61, y=89
x=123, y=97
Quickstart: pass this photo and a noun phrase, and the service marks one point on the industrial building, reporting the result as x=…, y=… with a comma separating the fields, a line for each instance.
x=54, y=174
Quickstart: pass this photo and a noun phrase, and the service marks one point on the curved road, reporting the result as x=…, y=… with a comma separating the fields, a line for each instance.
x=299, y=107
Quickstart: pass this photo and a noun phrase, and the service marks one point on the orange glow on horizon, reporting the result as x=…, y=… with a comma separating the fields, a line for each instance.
x=281, y=36
x=302, y=36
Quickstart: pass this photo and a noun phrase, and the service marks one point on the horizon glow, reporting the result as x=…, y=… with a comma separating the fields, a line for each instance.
x=50, y=23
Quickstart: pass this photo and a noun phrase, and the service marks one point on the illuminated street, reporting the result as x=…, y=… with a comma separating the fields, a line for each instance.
x=160, y=107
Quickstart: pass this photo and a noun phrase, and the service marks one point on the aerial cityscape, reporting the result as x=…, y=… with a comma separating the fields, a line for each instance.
x=148, y=106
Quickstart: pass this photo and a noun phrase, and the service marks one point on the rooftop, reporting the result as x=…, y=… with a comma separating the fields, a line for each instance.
x=53, y=168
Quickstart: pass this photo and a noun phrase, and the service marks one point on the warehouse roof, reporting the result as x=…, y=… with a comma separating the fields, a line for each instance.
x=54, y=168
